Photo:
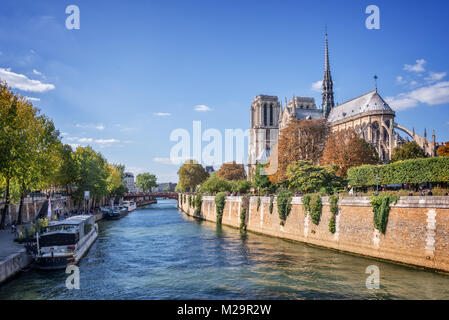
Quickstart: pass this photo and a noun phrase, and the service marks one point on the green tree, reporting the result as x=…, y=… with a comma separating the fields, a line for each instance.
x=261, y=181
x=146, y=181
x=303, y=176
x=92, y=173
x=191, y=175
x=409, y=150
x=214, y=184
x=114, y=182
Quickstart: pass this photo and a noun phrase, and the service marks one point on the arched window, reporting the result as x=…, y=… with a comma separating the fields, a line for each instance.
x=271, y=115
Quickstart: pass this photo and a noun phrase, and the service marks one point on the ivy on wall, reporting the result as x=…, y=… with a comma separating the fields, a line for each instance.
x=306, y=203
x=333, y=200
x=315, y=209
x=220, y=201
x=258, y=203
x=245, y=209
x=271, y=204
x=381, y=209
x=198, y=203
x=284, y=205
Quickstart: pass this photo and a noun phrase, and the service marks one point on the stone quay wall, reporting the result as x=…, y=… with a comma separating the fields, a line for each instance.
x=32, y=206
x=417, y=231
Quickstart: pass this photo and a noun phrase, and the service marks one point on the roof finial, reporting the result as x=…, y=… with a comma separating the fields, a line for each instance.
x=375, y=82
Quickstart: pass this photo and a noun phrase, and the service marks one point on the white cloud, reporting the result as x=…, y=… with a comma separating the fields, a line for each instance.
x=32, y=99
x=163, y=160
x=85, y=140
x=107, y=141
x=99, y=126
x=22, y=82
x=435, y=76
x=400, y=80
x=316, y=86
x=434, y=94
x=418, y=67
x=74, y=145
x=163, y=114
x=37, y=72
x=202, y=107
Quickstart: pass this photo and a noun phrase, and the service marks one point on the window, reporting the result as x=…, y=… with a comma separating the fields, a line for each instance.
x=271, y=115
x=265, y=114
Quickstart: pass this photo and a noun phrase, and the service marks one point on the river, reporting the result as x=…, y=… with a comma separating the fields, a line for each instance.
x=157, y=252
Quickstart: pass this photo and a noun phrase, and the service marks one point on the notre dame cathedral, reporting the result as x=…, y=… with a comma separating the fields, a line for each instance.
x=369, y=115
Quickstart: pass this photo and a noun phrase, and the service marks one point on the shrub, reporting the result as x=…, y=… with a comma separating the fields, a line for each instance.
x=284, y=200
x=258, y=203
x=220, y=201
x=242, y=186
x=271, y=204
x=413, y=171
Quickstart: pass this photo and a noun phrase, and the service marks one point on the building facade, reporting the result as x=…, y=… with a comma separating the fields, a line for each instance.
x=369, y=115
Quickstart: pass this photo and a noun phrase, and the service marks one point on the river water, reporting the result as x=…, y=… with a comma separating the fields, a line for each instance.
x=158, y=252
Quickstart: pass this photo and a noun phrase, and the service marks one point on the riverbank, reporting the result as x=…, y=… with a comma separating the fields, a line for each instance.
x=13, y=256
x=417, y=232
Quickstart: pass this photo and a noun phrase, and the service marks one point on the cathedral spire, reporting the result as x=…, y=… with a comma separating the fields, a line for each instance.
x=328, y=91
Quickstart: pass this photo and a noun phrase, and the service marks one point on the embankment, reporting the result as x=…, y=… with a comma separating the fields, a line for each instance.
x=417, y=232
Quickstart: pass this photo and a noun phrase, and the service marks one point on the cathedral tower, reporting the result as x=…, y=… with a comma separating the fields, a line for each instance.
x=328, y=86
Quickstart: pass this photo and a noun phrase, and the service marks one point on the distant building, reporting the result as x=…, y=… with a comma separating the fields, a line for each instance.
x=130, y=183
x=165, y=187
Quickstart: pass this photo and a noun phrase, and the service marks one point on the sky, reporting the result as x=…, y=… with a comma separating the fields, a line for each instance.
x=137, y=70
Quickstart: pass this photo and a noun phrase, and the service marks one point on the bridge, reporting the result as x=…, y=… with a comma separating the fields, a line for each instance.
x=147, y=196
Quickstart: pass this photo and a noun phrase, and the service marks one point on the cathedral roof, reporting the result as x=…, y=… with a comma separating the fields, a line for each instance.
x=370, y=101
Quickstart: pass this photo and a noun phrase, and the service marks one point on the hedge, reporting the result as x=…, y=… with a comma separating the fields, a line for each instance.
x=413, y=171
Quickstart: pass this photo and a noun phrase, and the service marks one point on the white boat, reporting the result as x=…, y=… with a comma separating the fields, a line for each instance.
x=65, y=242
x=130, y=205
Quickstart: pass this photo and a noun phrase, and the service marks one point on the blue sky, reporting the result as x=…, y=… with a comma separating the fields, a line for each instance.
x=136, y=70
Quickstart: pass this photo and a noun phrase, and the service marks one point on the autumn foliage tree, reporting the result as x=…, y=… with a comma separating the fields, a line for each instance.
x=191, y=175
x=443, y=151
x=345, y=149
x=300, y=140
x=231, y=171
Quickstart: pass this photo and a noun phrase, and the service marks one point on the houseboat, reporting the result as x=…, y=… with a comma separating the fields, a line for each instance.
x=65, y=242
x=130, y=205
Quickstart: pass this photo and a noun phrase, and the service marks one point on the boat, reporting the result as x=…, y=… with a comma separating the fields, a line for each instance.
x=65, y=242
x=116, y=213
x=130, y=205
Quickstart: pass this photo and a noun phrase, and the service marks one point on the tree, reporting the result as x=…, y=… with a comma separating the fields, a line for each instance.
x=261, y=181
x=409, y=150
x=443, y=150
x=300, y=140
x=242, y=186
x=345, y=149
x=191, y=175
x=114, y=182
x=92, y=173
x=215, y=184
x=231, y=171
x=146, y=181
x=305, y=177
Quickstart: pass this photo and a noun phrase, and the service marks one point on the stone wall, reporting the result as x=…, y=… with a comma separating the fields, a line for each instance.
x=31, y=207
x=417, y=231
